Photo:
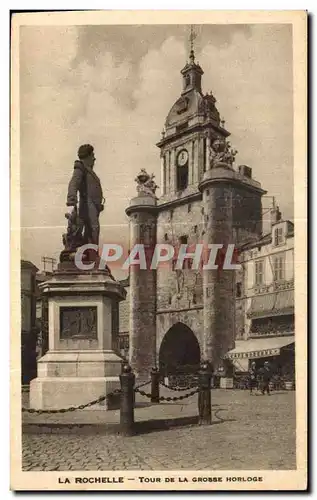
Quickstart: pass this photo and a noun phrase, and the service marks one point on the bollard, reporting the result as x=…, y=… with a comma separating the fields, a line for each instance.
x=124, y=362
x=127, y=380
x=155, y=385
x=204, y=396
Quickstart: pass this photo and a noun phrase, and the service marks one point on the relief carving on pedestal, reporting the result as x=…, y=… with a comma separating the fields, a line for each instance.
x=78, y=322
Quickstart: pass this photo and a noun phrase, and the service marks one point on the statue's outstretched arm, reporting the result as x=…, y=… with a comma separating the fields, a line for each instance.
x=73, y=187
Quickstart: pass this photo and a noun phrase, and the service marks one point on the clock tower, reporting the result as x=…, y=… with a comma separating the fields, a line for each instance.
x=190, y=127
x=204, y=200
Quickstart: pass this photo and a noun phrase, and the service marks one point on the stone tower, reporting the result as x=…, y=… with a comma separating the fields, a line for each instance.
x=232, y=212
x=142, y=212
x=204, y=200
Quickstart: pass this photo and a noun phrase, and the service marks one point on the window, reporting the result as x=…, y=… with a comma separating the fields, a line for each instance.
x=182, y=177
x=195, y=229
x=238, y=290
x=259, y=272
x=166, y=237
x=278, y=268
x=189, y=207
x=278, y=236
x=187, y=262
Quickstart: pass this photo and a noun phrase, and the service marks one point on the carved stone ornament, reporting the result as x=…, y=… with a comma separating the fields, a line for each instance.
x=146, y=185
x=182, y=105
x=78, y=322
x=220, y=152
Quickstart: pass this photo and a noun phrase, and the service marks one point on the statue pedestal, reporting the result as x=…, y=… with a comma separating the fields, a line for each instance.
x=81, y=364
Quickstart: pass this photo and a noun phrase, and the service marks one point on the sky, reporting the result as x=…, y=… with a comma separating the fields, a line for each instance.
x=113, y=86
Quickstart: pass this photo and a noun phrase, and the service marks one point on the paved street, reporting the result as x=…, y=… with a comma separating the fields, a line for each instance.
x=248, y=432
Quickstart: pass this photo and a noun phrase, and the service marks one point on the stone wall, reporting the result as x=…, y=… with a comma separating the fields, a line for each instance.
x=179, y=289
x=124, y=313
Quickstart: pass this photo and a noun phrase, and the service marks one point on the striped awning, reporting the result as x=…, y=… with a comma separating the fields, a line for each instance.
x=272, y=304
x=259, y=348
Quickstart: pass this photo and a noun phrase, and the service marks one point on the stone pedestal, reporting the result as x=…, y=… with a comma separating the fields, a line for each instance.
x=82, y=363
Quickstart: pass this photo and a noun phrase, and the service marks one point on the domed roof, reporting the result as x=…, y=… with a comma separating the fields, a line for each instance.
x=184, y=108
x=191, y=104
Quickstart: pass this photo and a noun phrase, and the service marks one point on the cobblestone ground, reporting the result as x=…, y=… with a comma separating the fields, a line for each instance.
x=248, y=432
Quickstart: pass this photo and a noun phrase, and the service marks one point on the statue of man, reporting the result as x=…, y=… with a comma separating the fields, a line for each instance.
x=91, y=202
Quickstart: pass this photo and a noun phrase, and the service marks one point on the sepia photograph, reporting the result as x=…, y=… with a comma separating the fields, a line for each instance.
x=158, y=228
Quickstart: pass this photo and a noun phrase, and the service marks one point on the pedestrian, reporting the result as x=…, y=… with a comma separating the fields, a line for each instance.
x=252, y=377
x=265, y=377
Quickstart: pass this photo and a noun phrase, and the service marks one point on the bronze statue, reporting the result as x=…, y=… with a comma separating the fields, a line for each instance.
x=83, y=215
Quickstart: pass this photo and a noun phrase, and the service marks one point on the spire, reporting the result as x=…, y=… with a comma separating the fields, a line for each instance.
x=192, y=37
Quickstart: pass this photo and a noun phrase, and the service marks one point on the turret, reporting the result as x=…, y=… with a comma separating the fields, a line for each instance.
x=142, y=212
x=233, y=214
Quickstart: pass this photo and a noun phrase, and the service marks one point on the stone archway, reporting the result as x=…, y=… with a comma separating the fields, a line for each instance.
x=179, y=350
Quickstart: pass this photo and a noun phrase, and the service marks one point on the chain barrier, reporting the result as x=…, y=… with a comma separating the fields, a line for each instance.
x=80, y=407
x=177, y=388
x=175, y=398
x=73, y=408
x=142, y=385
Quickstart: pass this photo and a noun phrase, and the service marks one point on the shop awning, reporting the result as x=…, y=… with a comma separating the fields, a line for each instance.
x=262, y=305
x=272, y=304
x=260, y=348
x=284, y=300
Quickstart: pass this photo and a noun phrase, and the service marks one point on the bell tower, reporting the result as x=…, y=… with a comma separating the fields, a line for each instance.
x=204, y=200
x=191, y=125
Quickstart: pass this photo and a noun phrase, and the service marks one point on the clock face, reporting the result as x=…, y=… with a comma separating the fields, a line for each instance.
x=182, y=158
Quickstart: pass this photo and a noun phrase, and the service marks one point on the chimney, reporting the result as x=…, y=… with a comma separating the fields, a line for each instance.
x=275, y=214
x=245, y=171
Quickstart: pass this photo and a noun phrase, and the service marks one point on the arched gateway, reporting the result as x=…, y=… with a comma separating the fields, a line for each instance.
x=179, y=351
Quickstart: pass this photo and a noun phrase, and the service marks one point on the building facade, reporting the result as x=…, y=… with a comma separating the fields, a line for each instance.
x=265, y=316
x=28, y=321
x=195, y=314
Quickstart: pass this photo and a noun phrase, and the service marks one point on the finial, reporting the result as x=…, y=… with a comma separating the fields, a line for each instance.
x=222, y=122
x=192, y=37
